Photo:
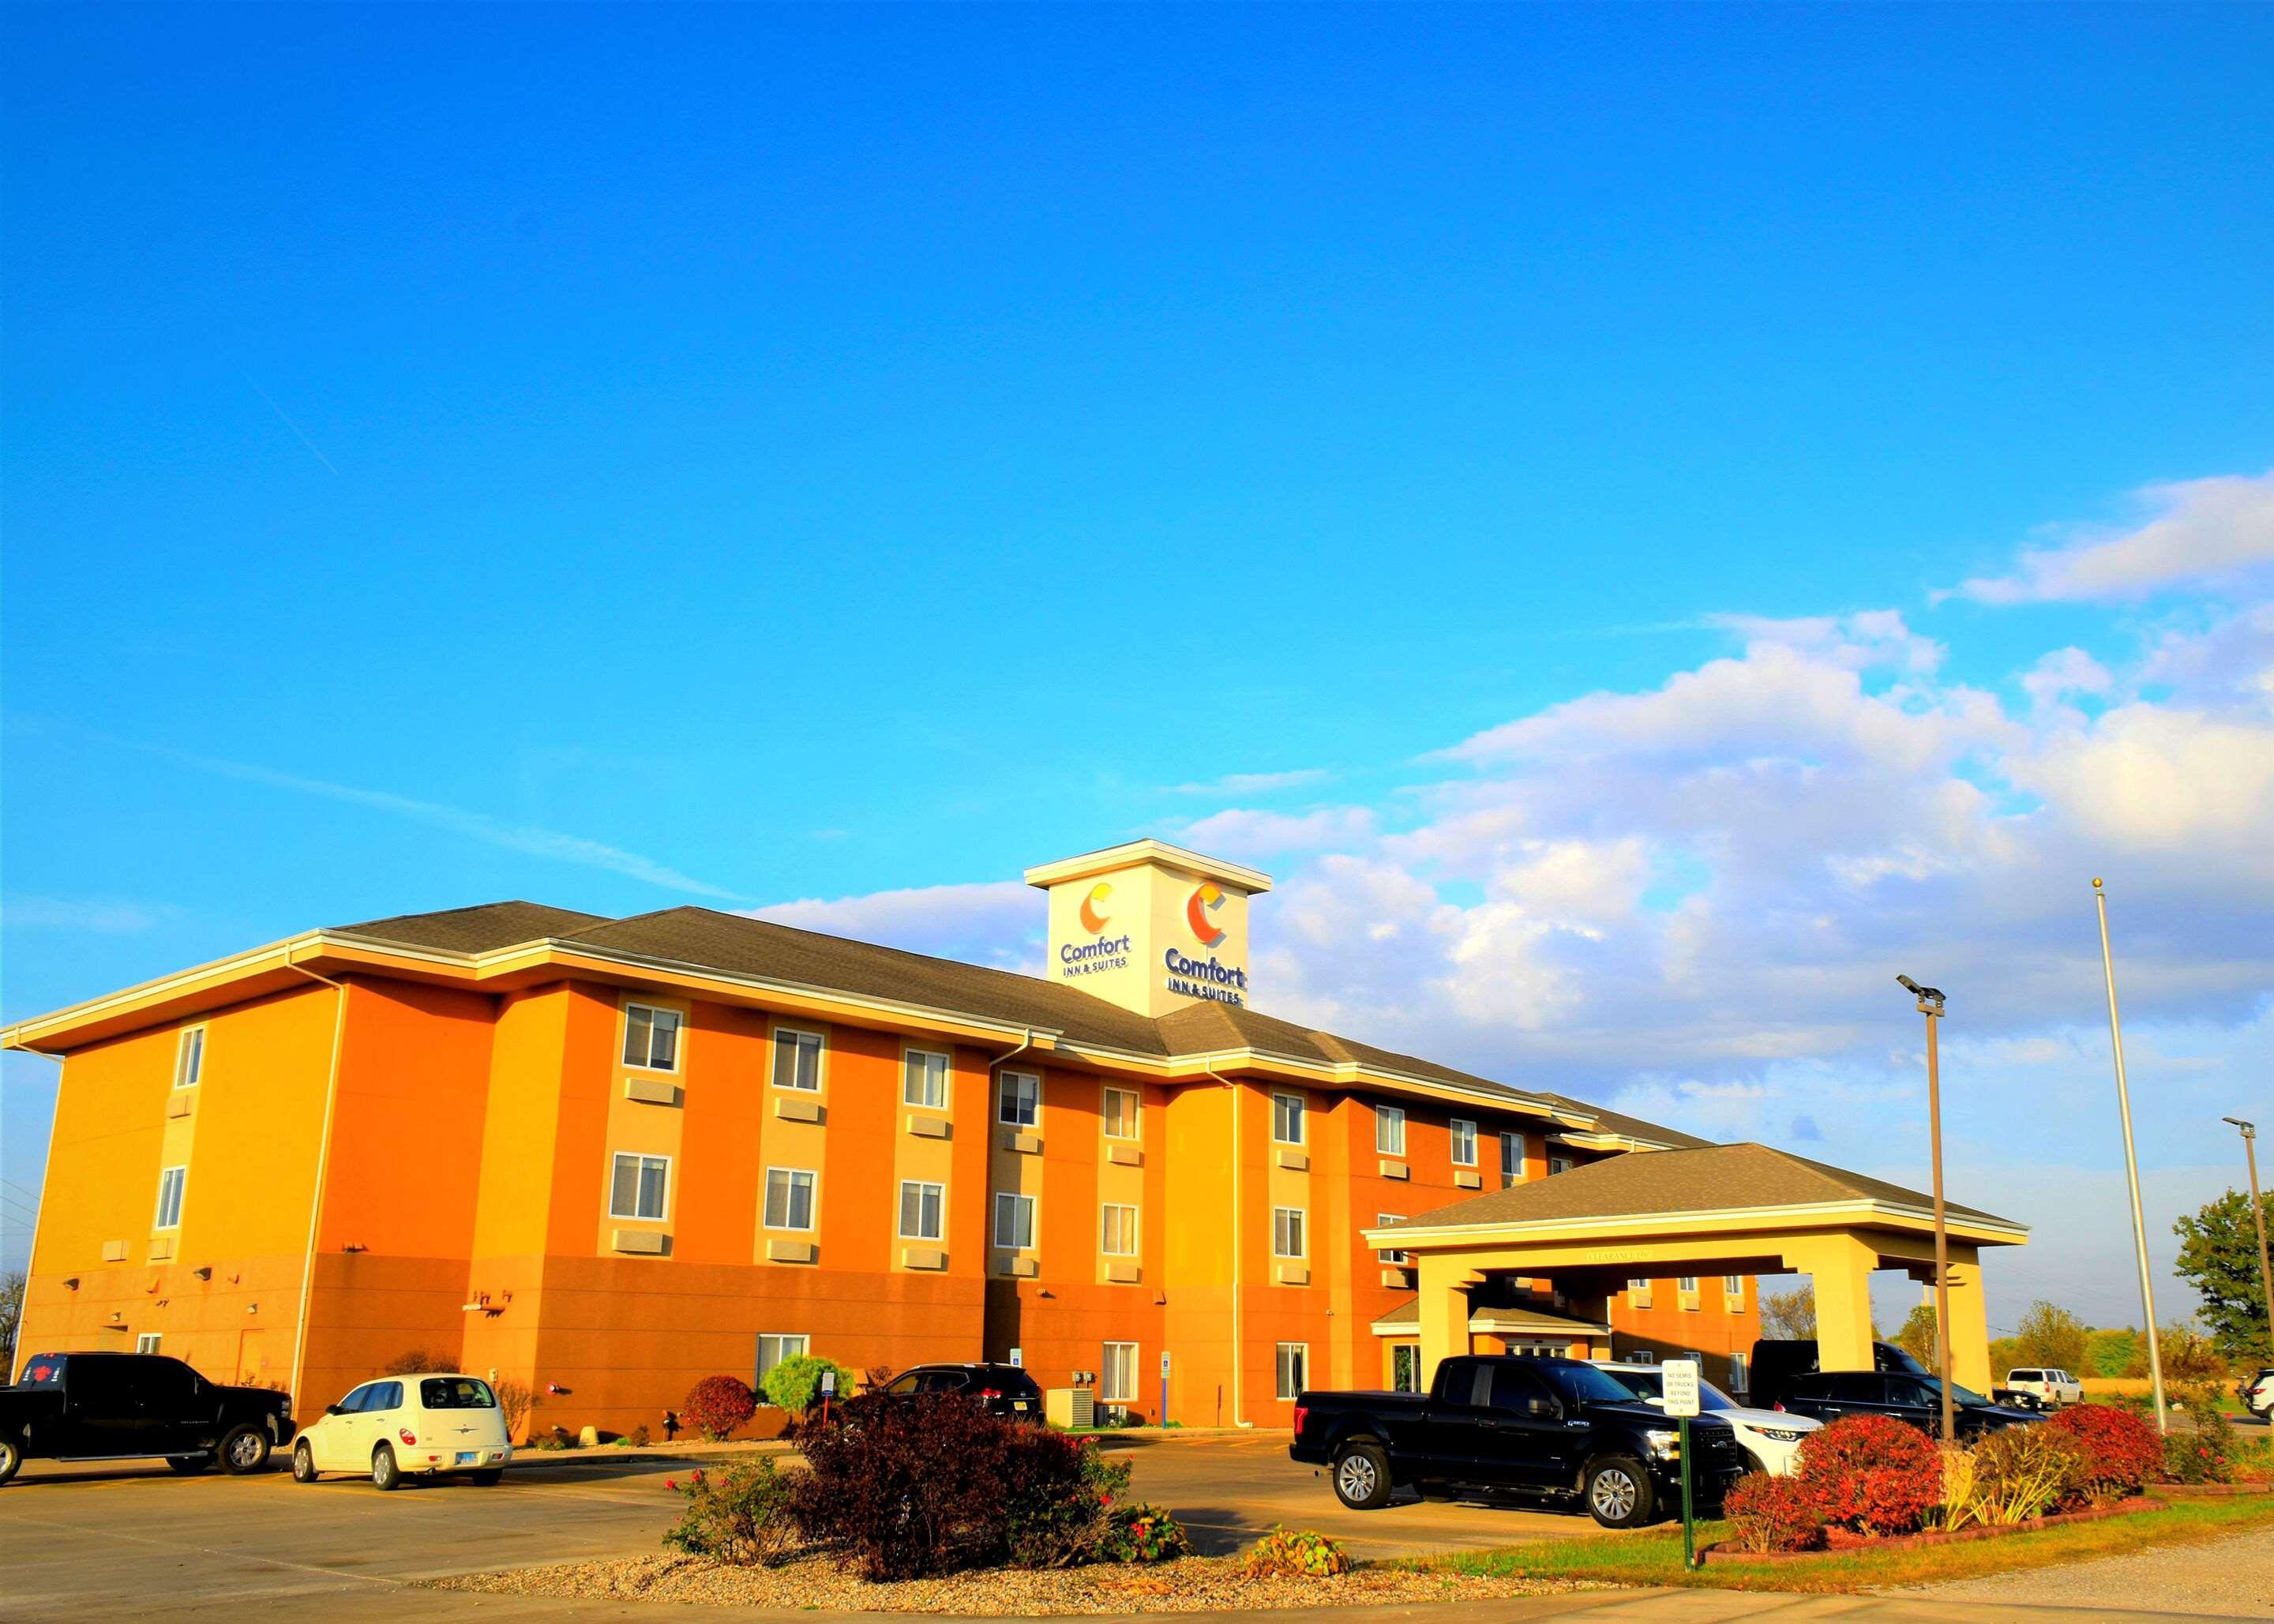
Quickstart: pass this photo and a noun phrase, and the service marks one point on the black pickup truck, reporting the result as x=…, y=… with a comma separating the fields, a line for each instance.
x=1552, y=1429
x=119, y=1406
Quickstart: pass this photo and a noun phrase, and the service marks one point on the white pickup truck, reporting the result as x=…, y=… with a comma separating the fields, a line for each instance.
x=2041, y=1388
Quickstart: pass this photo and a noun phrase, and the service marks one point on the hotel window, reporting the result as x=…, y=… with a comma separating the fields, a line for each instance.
x=190, y=1058
x=637, y=1189
x=797, y=1060
x=1511, y=1160
x=789, y=1198
x=1559, y=1164
x=920, y=1210
x=1464, y=1143
x=1733, y=1285
x=1018, y=1099
x=1287, y=1232
x=1015, y=1220
x=1294, y=1366
x=651, y=1037
x=169, y=1198
x=772, y=1350
x=1117, y=1234
x=1686, y=1283
x=1642, y=1355
x=1739, y=1380
x=1393, y=1256
x=148, y=1342
x=1389, y=1129
x=1638, y=1287
x=925, y=1084
x=1121, y=1113
x=1287, y=1119
x=1118, y=1373
x=1406, y=1367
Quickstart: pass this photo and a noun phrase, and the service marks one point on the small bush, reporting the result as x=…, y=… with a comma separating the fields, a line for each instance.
x=1765, y=1512
x=716, y=1405
x=1297, y=1553
x=515, y=1401
x=2021, y=1472
x=740, y=1515
x=1059, y=1499
x=639, y=1437
x=417, y=1362
x=1957, y=1509
x=551, y=1438
x=2120, y=1453
x=906, y=1489
x=1145, y=1533
x=1871, y=1473
x=2205, y=1454
x=795, y=1385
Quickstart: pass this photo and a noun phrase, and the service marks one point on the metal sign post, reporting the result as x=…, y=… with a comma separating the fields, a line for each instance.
x=1165, y=1388
x=1680, y=1377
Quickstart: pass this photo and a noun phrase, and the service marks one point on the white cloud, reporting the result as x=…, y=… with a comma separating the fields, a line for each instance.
x=1240, y=832
x=2216, y=532
x=1253, y=783
x=994, y=922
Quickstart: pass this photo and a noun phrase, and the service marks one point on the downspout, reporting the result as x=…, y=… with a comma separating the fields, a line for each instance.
x=1238, y=1342
x=323, y=1167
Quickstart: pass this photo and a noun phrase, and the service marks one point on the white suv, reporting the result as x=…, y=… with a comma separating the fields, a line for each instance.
x=2043, y=1388
x=2257, y=1393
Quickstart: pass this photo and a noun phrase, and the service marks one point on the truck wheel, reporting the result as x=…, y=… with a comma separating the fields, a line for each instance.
x=1362, y=1477
x=12, y=1456
x=303, y=1462
x=384, y=1473
x=244, y=1450
x=189, y=1465
x=1618, y=1492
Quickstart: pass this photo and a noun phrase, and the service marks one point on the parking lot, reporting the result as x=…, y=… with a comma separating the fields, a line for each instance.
x=79, y=1541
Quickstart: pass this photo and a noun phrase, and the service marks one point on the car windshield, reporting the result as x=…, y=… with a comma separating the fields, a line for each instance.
x=1651, y=1386
x=1584, y=1384
x=1959, y=1395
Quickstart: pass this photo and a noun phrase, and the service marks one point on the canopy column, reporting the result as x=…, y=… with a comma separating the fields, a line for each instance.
x=1969, y=1322
x=1840, y=1267
x=1443, y=1284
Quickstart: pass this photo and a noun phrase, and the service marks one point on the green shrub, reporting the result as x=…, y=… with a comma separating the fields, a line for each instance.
x=740, y=1515
x=551, y=1438
x=2021, y=1472
x=1144, y=1533
x=795, y=1385
x=1297, y=1553
x=1059, y=1495
x=2206, y=1454
x=716, y=1405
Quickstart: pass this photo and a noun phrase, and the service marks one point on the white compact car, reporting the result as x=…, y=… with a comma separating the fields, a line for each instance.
x=1770, y=1436
x=424, y=1425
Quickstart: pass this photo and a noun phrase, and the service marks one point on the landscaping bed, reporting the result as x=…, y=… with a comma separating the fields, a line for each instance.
x=1840, y=1539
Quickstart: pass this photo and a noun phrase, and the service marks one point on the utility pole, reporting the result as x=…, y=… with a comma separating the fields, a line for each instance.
x=2132, y=1167
x=1929, y=1004
x=2258, y=1217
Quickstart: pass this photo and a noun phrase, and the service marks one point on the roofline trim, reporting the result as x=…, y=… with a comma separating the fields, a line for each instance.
x=1395, y=1237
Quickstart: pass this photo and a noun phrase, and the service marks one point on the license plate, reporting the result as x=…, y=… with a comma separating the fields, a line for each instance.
x=1023, y=1404
x=466, y=1457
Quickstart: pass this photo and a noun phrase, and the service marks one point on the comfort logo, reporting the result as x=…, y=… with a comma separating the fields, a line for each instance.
x=1092, y=921
x=1202, y=903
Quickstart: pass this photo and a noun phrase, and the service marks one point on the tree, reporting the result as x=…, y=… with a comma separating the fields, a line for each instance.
x=2218, y=1256
x=12, y=1316
x=2049, y=1334
x=1916, y=1338
x=2110, y=1352
x=1789, y=1316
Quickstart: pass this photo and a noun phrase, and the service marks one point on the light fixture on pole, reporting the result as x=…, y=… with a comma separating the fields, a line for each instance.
x=2258, y=1217
x=1929, y=1004
x=2132, y=1167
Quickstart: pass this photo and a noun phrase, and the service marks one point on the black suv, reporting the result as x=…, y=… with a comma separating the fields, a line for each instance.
x=1001, y=1389
x=1830, y=1394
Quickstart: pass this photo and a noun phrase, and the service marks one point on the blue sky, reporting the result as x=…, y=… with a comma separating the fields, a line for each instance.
x=1513, y=473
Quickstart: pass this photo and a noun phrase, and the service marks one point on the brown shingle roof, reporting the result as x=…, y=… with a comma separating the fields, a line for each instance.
x=1713, y=1178
x=703, y=938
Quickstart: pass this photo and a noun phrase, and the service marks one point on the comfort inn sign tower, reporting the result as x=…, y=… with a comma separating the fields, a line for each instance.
x=1148, y=925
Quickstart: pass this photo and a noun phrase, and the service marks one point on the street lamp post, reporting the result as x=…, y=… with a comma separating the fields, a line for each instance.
x=2132, y=1167
x=1929, y=1004
x=2258, y=1217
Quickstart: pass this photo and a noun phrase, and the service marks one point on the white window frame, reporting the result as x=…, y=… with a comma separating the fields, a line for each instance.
x=180, y=1176
x=1733, y=1285
x=1280, y=1229
x=901, y=1217
x=189, y=1056
x=1642, y=1355
x=1458, y=1123
x=1392, y=1257
x=1109, y=1391
x=1017, y=1199
x=1136, y=1114
x=947, y=1057
x=1686, y=1283
x=1301, y=1109
x=1389, y=1133
x=781, y=1339
x=1287, y=1390
x=679, y=1025
x=1509, y=1137
x=1740, y=1379
x=820, y=1059
x=639, y=1160
x=1134, y=1233
x=812, y=1201
x=1002, y=1079
x=1637, y=1287
x=147, y=1342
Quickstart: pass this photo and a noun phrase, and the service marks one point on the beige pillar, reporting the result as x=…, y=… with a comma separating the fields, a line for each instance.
x=1840, y=1267
x=1444, y=1288
x=1969, y=1322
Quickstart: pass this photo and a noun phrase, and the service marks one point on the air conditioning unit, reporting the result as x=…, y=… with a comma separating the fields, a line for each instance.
x=1071, y=1407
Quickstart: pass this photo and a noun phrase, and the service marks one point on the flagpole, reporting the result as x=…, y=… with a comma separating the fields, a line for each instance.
x=2132, y=1166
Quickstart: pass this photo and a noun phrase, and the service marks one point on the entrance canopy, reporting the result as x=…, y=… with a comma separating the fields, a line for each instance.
x=1723, y=1209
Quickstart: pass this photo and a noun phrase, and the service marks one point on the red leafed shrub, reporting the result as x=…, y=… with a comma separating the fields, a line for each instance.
x=716, y=1405
x=1872, y=1473
x=2121, y=1452
x=1772, y=1513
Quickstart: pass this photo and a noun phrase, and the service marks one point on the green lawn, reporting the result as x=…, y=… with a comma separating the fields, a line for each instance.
x=1655, y=1557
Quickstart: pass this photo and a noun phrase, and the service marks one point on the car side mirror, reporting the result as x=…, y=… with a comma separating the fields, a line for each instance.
x=333, y=1409
x=1542, y=1407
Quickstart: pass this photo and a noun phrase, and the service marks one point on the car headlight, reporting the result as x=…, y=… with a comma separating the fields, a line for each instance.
x=1665, y=1444
x=1781, y=1434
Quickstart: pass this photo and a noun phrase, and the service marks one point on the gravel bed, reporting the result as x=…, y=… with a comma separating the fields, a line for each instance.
x=1194, y=1584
